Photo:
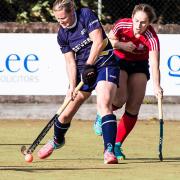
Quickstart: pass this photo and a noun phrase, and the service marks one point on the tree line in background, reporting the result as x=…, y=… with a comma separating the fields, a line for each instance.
x=24, y=11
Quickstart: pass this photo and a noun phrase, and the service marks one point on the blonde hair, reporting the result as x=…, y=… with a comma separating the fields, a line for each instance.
x=58, y=5
x=149, y=10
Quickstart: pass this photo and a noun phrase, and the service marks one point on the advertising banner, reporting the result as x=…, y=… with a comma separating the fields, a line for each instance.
x=32, y=64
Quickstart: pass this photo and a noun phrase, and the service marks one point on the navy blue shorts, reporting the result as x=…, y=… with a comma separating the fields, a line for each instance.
x=106, y=73
x=132, y=67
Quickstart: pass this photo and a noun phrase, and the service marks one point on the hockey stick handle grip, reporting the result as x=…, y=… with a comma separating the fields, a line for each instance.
x=160, y=108
x=66, y=102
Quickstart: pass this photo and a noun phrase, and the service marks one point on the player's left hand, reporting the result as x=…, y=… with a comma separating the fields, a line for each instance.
x=158, y=91
x=71, y=94
x=89, y=74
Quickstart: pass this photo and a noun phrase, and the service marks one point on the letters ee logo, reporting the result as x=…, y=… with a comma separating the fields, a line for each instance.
x=174, y=65
x=14, y=63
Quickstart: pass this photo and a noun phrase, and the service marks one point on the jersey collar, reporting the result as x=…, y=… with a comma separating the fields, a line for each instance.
x=75, y=22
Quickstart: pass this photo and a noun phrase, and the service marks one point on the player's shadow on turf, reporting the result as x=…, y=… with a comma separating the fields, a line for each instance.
x=32, y=169
x=77, y=159
x=74, y=159
x=17, y=144
x=153, y=160
x=127, y=161
x=171, y=159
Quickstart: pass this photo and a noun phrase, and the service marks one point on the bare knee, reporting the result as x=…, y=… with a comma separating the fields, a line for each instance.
x=65, y=118
x=73, y=107
x=133, y=107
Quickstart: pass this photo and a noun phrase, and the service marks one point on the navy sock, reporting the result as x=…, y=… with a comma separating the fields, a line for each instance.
x=60, y=131
x=109, y=129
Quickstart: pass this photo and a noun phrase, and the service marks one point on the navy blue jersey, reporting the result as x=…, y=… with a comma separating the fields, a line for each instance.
x=77, y=39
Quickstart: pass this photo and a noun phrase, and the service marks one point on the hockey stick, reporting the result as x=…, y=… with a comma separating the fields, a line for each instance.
x=161, y=122
x=37, y=141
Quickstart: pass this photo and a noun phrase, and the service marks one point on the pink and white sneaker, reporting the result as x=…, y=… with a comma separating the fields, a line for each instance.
x=48, y=149
x=110, y=158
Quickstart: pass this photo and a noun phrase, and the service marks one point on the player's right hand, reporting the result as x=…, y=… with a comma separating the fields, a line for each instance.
x=129, y=46
x=89, y=74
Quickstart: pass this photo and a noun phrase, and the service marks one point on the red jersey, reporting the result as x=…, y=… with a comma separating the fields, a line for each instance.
x=148, y=41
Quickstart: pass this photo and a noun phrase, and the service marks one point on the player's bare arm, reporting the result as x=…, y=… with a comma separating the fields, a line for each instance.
x=90, y=71
x=125, y=46
x=97, y=39
x=155, y=61
x=71, y=71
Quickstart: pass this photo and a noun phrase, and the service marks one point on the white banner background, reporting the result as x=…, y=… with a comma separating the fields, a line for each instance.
x=41, y=53
x=50, y=79
x=169, y=53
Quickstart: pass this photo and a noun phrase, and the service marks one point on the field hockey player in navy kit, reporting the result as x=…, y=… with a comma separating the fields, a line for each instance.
x=89, y=58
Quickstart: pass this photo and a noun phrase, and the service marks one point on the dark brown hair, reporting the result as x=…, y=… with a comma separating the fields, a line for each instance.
x=149, y=10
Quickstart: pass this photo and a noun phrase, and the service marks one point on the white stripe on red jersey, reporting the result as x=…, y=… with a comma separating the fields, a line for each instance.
x=123, y=30
x=152, y=40
x=121, y=25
